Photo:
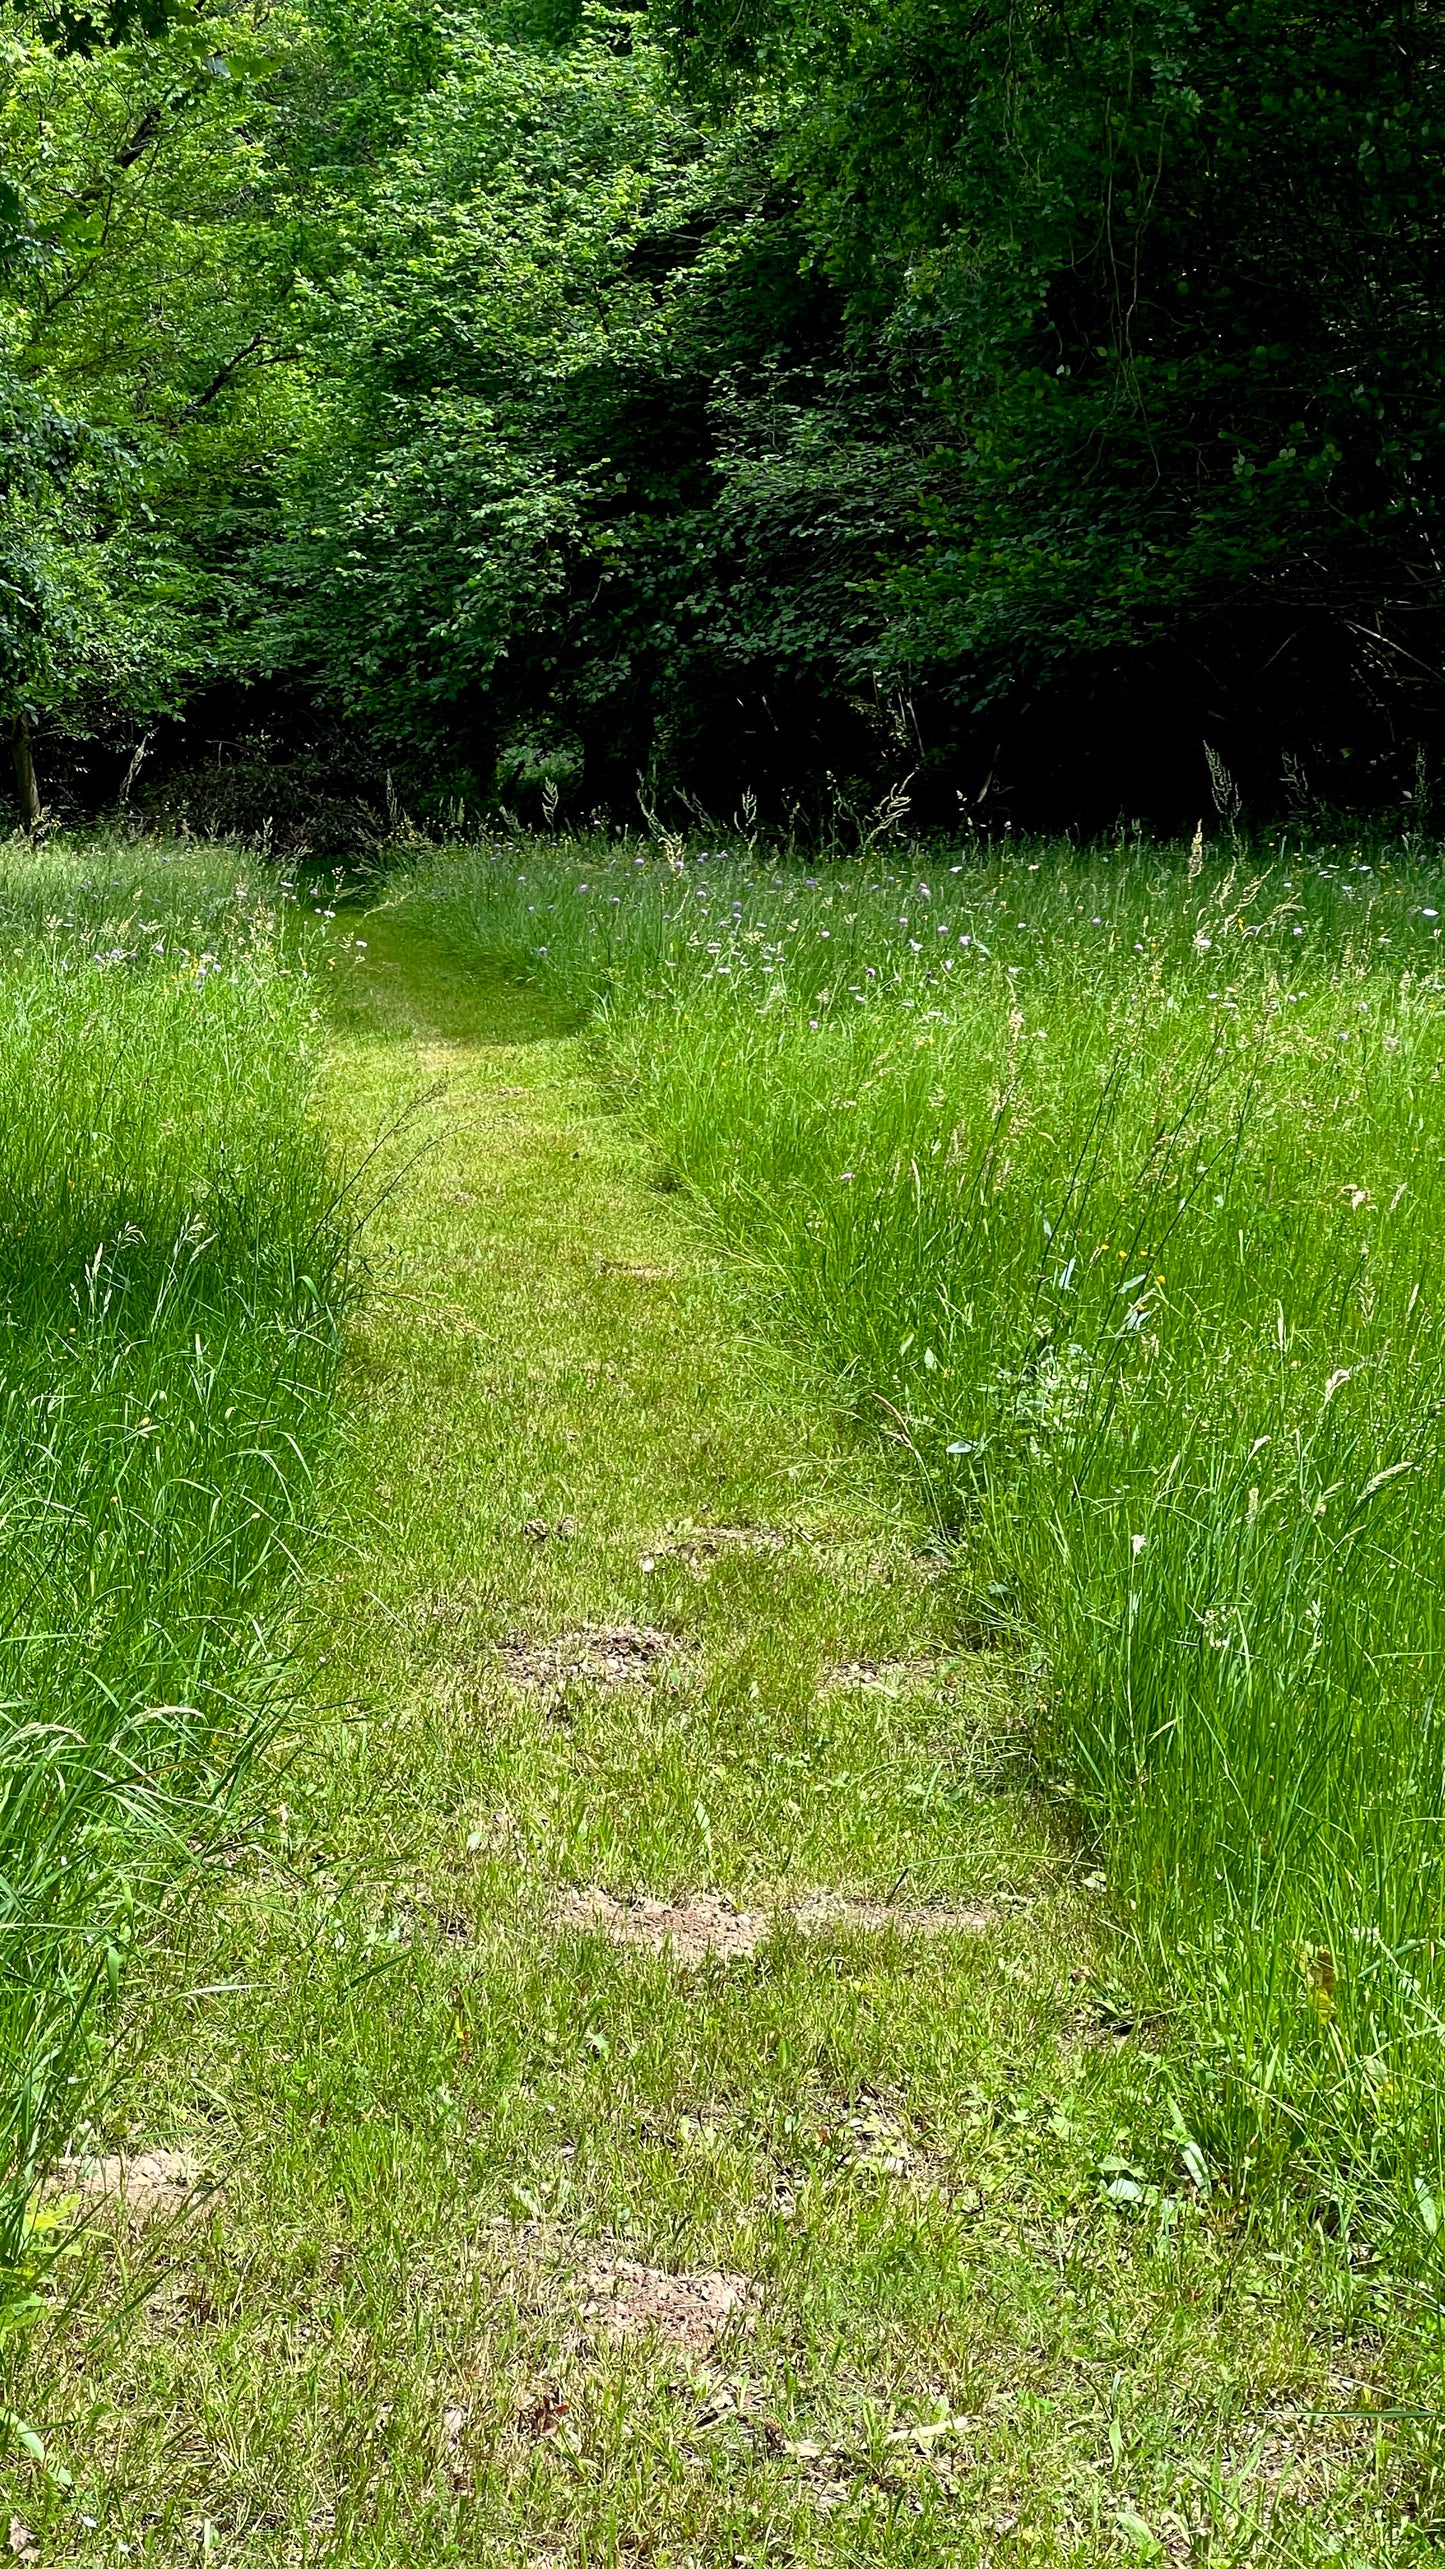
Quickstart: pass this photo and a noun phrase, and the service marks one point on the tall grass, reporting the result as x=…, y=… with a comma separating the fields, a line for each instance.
x=174, y=1257
x=1112, y=1187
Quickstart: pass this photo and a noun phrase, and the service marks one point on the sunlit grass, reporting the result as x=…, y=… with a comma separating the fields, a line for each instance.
x=1112, y=1189
x=427, y=2111
x=173, y=1267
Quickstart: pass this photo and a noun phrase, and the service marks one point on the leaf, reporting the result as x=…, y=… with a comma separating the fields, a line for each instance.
x=1124, y=2190
x=922, y=2437
x=1135, y=2530
x=1195, y=2166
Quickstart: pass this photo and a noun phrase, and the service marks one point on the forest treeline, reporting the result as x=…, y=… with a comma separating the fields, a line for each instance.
x=981, y=406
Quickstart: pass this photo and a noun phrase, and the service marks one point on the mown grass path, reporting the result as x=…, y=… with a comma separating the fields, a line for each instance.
x=466, y=2135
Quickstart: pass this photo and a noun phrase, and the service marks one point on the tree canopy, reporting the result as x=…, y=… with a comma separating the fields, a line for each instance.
x=819, y=400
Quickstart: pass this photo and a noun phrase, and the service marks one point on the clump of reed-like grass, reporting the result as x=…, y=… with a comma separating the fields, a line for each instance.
x=174, y=1265
x=1113, y=1187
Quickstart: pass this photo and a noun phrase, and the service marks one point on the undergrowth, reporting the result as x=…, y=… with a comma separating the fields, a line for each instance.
x=1111, y=1186
x=175, y=1255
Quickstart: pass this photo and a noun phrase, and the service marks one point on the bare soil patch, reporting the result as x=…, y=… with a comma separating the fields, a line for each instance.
x=617, y=2298
x=705, y=1923
x=690, y=2311
x=688, y=1929
x=537, y=1529
x=699, y=1543
x=885, y=1676
x=625, y=1654
x=144, y=2185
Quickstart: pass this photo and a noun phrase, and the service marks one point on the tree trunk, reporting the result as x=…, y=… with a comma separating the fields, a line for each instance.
x=26, y=788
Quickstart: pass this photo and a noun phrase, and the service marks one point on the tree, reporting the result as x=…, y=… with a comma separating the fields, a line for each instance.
x=796, y=394
x=1170, y=272
x=158, y=223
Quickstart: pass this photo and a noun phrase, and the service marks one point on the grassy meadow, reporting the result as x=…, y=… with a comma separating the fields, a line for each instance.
x=1109, y=1188
x=174, y=1265
x=441, y=2097
x=927, y=2153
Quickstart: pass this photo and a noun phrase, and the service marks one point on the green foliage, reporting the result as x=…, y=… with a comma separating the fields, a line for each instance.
x=947, y=363
x=177, y=193
x=1170, y=276
x=836, y=395
x=481, y=334
x=110, y=355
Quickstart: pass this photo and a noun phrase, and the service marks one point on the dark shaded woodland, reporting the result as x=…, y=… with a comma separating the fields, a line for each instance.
x=841, y=404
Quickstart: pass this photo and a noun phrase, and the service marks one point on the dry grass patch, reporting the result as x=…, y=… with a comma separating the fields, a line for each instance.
x=701, y=1543
x=619, y=2299
x=687, y=1929
x=880, y=1676
x=704, y=1922
x=537, y=1529
x=625, y=1654
x=143, y=2185
x=689, y=2311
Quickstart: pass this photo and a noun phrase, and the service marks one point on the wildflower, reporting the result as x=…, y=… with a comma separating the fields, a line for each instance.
x=1137, y=1543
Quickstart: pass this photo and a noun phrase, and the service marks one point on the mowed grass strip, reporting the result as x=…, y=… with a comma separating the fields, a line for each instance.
x=530, y=2243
